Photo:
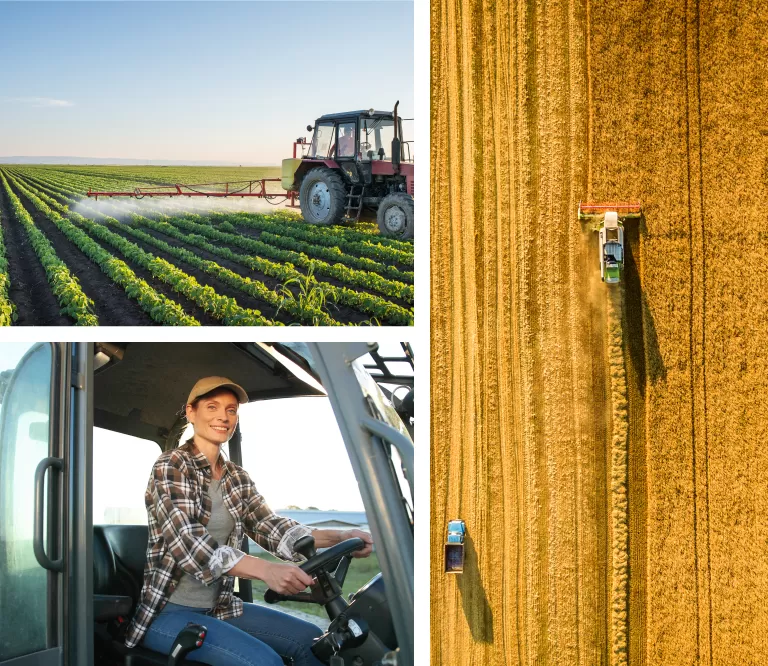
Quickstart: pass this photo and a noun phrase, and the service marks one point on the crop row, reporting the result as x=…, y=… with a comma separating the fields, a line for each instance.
x=299, y=309
x=160, y=308
x=339, y=272
x=384, y=311
x=221, y=307
x=319, y=243
x=65, y=286
x=336, y=246
x=324, y=246
x=352, y=277
x=85, y=180
x=7, y=309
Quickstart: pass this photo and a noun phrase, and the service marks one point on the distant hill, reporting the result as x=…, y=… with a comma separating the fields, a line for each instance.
x=119, y=161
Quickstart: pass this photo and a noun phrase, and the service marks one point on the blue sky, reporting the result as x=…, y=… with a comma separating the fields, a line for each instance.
x=233, y=81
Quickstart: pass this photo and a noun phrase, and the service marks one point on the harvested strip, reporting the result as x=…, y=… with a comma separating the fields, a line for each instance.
x=619, y=480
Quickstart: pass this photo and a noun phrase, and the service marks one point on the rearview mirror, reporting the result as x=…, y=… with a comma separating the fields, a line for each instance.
x=310, y=128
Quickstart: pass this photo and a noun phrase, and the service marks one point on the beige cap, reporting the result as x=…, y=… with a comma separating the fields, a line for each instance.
x=207, y=384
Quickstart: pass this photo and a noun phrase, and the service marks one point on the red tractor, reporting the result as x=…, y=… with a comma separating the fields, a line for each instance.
x=357, y=166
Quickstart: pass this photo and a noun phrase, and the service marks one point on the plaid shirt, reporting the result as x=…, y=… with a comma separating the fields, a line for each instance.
x=179, y=508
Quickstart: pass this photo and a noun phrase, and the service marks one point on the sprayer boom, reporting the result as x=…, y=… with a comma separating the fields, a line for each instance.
x=245, y=188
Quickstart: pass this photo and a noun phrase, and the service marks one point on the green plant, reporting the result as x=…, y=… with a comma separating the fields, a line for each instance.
x=312, y=295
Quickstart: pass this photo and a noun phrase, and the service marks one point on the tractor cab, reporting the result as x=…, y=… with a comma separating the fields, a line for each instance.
x=356, y=167
x=363, y=136
x=69, y=582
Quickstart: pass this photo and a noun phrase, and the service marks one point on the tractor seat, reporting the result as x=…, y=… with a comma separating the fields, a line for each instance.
x=119, y=555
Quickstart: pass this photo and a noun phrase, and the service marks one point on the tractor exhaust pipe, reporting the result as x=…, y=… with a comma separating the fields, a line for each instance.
x=396, y=143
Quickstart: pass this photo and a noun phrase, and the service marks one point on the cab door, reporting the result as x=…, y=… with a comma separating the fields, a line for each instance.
x=37, y=577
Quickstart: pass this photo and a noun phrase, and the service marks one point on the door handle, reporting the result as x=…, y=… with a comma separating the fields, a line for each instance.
x=37, y=539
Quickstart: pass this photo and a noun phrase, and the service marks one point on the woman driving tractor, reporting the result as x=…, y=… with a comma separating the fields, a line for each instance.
x=200, y=506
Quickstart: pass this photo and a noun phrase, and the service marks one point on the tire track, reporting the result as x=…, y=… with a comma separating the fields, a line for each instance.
x=619, y=479
x=697, y=13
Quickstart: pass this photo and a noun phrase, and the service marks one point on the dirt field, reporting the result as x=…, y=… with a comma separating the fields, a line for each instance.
x=616, y=507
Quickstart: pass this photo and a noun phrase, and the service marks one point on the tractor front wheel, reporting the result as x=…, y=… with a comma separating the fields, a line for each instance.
x=322, y=196
x=395, y=216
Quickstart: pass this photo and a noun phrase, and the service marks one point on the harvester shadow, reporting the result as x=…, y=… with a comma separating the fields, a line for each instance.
x=643, y=342
x=477, y=610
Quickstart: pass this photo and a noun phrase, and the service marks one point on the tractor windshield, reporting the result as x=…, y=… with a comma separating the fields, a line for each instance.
x=376, y=136
x=322, y=141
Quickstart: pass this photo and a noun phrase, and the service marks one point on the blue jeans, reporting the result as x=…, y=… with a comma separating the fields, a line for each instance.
x=259, y=637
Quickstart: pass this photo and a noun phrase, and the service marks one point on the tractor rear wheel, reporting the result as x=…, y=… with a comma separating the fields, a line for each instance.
x=322, y=196
x=395, y=216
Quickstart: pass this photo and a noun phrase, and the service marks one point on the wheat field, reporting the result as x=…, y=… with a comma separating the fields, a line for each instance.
x=603, y=444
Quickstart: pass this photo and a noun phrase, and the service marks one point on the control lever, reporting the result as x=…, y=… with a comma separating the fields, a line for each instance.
x=272, y=597
x=189, y=638
x=343, y=634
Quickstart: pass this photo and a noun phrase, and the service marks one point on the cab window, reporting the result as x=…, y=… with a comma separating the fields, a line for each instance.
x=121, y=468
x=323, y=142
x=25, y=408
x=294, y=452
x=376, y=136
x=346, y=140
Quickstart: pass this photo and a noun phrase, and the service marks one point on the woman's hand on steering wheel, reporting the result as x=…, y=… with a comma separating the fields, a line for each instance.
x=363, y=552
x=285, y=578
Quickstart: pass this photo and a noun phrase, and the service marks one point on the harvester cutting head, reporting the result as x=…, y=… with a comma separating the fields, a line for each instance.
x=591, y=213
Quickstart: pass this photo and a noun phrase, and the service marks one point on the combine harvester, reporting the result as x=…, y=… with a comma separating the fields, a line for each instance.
x=356, y=167
x=608, y=219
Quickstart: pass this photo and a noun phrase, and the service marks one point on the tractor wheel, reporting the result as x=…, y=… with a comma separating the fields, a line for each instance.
x=395, y=216
x=322, y=196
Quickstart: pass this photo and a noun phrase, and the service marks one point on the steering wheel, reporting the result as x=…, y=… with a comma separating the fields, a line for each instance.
x=329, y=568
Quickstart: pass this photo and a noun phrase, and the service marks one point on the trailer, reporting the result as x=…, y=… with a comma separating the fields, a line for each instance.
x=454, y=547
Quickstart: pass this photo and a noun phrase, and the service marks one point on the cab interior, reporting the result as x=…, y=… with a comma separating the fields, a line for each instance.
x=140, y=390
